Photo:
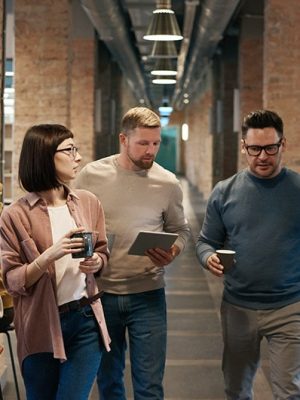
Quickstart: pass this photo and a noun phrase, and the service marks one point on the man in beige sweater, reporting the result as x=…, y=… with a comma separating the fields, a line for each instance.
x=137, y=194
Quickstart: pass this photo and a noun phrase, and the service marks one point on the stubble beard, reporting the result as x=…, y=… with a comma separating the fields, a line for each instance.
x=140, y=163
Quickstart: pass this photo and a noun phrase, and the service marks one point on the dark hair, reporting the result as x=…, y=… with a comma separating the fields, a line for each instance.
x=139, y=117
x=262, y=119
x=36, y=166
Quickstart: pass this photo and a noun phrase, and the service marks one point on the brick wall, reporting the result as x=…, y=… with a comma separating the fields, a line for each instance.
x=198, y=149
x=42, y=65
x=55, y=72
x=82, y=96
x=282, y=70
x=250, y=70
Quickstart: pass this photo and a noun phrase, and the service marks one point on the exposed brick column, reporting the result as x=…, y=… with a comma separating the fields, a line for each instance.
x=198, y=149
x=82, y=96
x=250, y=70
x=282, y=69
x=83, y=77
x=42, y=67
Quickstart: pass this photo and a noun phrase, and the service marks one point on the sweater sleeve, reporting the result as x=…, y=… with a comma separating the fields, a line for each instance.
x=174, y=218
x=212, y=235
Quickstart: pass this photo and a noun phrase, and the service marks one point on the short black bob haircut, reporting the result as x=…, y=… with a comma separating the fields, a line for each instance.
x=36, y=166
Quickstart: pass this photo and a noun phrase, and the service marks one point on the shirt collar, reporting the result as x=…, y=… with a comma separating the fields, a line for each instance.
x=32, y=197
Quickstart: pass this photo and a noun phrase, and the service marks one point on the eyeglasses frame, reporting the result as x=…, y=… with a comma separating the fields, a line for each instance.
x=72, y=151
x=278, y=144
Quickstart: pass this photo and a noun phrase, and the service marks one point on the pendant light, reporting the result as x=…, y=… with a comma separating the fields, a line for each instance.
x=163, y=49
x=163, y=25
x=164, y=66
x=164, y=80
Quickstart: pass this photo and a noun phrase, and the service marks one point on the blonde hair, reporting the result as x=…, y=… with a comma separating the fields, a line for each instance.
x=139, y=117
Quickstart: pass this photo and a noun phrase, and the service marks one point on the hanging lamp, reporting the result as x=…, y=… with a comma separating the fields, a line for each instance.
x=164, y=80
x=164, y=66
x=164, y=49
x=163, y=25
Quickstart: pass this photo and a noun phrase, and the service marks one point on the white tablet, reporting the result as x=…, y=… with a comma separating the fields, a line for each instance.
x=148, y=240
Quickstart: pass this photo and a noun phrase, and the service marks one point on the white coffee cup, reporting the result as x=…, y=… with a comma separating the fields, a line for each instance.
x=227, y=258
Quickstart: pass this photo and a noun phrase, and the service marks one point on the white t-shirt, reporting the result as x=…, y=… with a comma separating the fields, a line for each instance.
x=70, y=281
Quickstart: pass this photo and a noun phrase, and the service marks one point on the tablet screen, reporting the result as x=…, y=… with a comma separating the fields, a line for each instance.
x=148, y=240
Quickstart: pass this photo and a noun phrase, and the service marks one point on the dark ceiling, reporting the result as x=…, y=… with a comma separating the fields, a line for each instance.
x=139, y=16
x=121, y=24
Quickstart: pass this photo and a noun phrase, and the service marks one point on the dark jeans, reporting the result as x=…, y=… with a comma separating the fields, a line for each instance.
x=48, y=379
x=143, y=315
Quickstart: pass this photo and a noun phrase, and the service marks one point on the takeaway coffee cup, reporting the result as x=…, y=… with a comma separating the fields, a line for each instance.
x=227, y=258
x=88, y=245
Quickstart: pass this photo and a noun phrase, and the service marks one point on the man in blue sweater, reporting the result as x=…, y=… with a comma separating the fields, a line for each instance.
x=256, y=213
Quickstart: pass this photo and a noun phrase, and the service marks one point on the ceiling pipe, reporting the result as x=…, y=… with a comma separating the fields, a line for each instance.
x=108, y=21
x=214, y=18
x=188, y=23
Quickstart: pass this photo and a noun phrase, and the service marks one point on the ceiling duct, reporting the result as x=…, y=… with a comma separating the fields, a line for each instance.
x=109, y=22
x=188, y=23
x=214, y=18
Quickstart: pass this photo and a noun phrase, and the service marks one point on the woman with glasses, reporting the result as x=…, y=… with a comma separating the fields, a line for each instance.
x=256, y=213
x=60, y=327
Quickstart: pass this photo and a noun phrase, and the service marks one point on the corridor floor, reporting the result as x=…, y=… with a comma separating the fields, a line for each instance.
x=193, y=369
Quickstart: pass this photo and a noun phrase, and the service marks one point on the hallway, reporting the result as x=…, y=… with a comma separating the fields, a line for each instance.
x=84, y=63
x=193, y=370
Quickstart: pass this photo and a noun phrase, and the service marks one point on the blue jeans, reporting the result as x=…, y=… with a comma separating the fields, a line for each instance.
x=47, y=378
x=144, y=317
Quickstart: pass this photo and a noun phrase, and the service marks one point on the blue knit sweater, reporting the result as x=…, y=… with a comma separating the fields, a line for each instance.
x=260, y=220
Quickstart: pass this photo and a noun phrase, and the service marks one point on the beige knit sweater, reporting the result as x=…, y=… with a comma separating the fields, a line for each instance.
x=148, y=200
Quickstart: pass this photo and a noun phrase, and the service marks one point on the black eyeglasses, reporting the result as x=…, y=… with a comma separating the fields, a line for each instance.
x=270, y=149
x=71, y=151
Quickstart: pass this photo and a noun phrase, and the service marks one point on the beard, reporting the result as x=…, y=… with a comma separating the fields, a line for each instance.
x=142, y=163
x=266, y=170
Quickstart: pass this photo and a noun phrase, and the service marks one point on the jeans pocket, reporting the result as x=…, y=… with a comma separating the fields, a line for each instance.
x=87, y=311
